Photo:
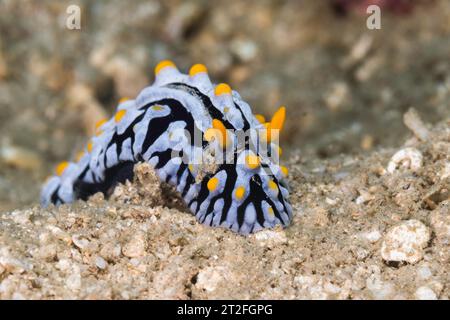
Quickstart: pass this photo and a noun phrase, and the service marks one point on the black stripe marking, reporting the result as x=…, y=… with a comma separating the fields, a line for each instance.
x=55, y=197
x=226, y=194
x=119, y=139
x=256, y=196
x=157, y=126
x=119, y=173
x=180, y=172
x=206, y=101
x=190, y=180
x=163, y=157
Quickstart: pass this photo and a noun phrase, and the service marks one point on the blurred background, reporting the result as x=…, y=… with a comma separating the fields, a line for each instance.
x=345, y=87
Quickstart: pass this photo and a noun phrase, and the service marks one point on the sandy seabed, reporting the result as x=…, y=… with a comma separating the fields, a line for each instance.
x=370, y=180
x=365, y=227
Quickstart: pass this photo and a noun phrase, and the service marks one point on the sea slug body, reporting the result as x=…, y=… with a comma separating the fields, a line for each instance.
x=174, y=125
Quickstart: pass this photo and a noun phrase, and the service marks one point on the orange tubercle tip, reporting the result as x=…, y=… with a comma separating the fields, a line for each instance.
x=260, y=118
x=213, y=184
x=240, y=192
x=197, y=68
x=61, y=167
x=119, y=115
x=221, y=89
x=100, y=123
x=278, y=118
x=218, y=125
x=79, y=156
x=157, y=107
x=272, y=185
x=252, y=162
x=90, y=146
x=210, y=134
x=267, y=133
x=123, y=99
x=164, y=64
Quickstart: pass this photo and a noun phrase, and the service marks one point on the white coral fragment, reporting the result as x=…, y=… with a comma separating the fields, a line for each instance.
x=409, y=158
x=405, y=242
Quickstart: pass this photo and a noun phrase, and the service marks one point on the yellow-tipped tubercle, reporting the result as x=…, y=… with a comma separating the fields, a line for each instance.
x=213, y=183
x=210, y=134
x=164, y=64
x=284, y=171
x=222, y=88
x=100, y=123
x=90, y=146
x=266, y=133
x=197, y=68
x=260, y=118
x=79, y=155
x=272, y=185
x=252, y=161
x=240, y=192
x=61, y=167
x=218, y=125
x=275, y=125
x=218, y=131
x=119, y=115
x=278, y=118
x=280, y=151
x=157, y=107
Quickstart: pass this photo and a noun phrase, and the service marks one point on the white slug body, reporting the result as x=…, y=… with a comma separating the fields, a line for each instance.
x=246, y=191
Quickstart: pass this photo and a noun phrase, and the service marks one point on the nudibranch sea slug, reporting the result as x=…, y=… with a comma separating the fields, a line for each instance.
x=199, y=137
